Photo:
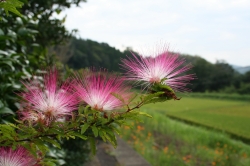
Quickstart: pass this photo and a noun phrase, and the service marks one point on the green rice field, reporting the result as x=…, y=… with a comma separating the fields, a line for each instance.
x=165, y=141
x=225, y=115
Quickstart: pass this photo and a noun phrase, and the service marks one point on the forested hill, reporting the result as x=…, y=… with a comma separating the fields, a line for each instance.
x=88, y=53
x=80, y=53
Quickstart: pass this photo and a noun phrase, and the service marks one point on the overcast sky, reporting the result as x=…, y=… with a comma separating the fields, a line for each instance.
x=212, y=29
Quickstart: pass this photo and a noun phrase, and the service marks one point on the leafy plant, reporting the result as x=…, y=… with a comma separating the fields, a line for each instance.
x=11, y=6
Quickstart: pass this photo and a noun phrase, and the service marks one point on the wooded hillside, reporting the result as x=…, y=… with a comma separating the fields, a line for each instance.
x=218, y=77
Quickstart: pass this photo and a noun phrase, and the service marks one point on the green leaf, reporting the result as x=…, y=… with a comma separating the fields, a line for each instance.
x=119, y=122
x=52, y=141
x=1, y=32
x=13, y=125
x=161, y=87
x=95, y=130
x=151, y=96
x=6, y=110
x=58, y=11
x=8, y=63
x=79, y=135
x=111, y=137
x=84, y=127
x=145, y=114
x=87, y=110
x=49, y=163
x=7, y=131
x=11, y=5
x=156, y=100
x=27, y=146
x=41, y=145
x=115, y=129
x=102, y=135
x=80, y=109
x=1, y=104
x=55, y=131
x=92, y=145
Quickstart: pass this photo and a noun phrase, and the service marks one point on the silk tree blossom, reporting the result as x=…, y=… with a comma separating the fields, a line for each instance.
x=99, y=89
x=32, y=116
x=49, y=101
x=17, y=157
x=164, y=68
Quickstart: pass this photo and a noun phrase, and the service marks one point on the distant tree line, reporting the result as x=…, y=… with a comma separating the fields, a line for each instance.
x=90, y=53
x=218, y=77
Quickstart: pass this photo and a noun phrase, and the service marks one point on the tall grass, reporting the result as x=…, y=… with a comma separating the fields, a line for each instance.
x=163, y=141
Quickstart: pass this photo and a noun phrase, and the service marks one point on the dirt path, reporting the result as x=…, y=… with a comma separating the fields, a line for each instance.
x=123, y=155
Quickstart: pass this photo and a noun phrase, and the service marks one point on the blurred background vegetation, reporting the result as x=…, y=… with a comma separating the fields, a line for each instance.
x=36, y=40
x=24, y=45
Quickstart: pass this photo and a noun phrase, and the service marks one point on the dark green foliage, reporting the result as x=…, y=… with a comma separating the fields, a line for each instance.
x=244, y=88
x=51, y=30
x=88, y=53
x=76, y=152
x=222, y=76
x=246, y=77
x=17, y=63
x=23, y=51
x=11, y=6
x=211, y=77
x=240, y=85
x=202, y=69
x=218, y=77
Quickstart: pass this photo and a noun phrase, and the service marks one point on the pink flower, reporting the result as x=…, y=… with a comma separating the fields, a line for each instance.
x=165, y=68
x=98, y=90
x=33, y=116
x=18, y=157
x=48, y=101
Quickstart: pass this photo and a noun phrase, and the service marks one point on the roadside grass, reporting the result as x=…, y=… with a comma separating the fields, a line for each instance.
x=225, y=115
x=163, y=141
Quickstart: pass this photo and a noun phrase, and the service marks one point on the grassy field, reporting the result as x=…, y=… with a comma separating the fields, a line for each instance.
x=226, y=115
x=222, y=96
x=164, y=141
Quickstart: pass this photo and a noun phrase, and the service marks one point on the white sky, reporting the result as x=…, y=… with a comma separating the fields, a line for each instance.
x=212, y=29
